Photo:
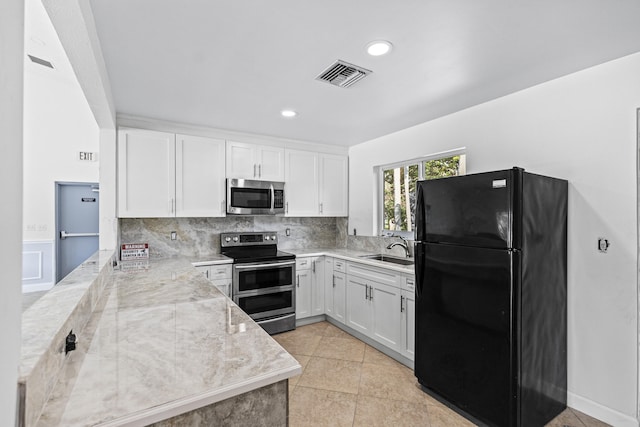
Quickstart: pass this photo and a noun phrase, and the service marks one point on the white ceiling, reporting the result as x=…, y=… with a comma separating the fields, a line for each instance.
x=235, y=64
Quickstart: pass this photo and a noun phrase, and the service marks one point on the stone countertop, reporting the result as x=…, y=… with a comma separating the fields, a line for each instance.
x=162, y=341
x=352, y=255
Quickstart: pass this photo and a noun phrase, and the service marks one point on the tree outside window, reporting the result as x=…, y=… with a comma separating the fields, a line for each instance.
x=399, y=188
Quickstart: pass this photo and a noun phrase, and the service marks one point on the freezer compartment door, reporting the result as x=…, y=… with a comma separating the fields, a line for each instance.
x=471, y=210
x=464, y=328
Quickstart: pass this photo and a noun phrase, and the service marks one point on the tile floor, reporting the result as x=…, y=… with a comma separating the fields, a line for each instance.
x=346, y=382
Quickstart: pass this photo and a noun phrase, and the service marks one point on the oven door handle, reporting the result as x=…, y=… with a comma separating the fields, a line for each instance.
x=267, y=265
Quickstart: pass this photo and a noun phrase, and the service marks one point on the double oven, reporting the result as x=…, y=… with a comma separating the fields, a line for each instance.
x=263, y=279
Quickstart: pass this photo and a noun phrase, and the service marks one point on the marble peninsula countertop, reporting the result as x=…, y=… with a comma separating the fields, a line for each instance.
x=162, y=341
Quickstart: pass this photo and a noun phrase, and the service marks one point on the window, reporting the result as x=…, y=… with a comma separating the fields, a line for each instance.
x=399, y=188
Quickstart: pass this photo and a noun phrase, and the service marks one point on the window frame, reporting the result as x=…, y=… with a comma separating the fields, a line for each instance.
x=379, y=220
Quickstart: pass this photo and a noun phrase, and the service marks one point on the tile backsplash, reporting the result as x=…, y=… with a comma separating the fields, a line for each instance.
x=201, y=236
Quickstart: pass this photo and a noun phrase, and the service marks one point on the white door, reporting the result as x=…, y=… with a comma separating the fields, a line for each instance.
x=303, y=294
x=146, y=174
x=271, y=165
x=329, y=283
x=200, y=174
x=77, y=219
x=408, y=321
x=339, y=296
x=359, y=313
x=301, y=183
x=334, y=184
x=387, y=314
x=317, y=291
x=241, y=160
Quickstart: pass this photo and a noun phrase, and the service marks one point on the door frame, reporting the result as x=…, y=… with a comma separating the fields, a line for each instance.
x=58, y=185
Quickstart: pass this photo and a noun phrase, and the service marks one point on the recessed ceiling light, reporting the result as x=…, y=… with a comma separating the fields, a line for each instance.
x=288, y=113
x=379, y=47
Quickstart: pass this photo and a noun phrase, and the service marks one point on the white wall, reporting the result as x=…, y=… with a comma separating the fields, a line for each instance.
x=581, y=127
x=58, y=124
x=11, y=54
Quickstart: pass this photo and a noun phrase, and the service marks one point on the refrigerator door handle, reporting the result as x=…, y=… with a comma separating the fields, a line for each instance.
x=419, y=266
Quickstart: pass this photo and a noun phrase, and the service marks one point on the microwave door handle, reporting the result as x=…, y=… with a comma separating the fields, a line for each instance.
x=273, y=197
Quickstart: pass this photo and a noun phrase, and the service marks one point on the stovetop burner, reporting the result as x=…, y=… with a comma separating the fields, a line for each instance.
x=252, y=247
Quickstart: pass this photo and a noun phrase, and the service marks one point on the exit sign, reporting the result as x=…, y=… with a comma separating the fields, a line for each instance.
x=87, y=156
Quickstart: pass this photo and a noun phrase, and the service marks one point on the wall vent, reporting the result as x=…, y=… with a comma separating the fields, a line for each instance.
x=343, y=74
x=40, y=61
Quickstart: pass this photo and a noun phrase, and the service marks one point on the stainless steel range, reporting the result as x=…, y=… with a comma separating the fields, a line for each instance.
x=263, y=279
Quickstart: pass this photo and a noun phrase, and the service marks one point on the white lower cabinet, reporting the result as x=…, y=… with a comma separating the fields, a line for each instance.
x=375, y=305
x=359, y=315
x=309, y=286
x=408, y=299
x=335, y=289
x=219, y=275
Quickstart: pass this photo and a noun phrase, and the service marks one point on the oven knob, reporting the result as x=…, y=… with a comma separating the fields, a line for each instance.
x=235, y=238
x=266, y=237
x=227, y=239
x=273, y=237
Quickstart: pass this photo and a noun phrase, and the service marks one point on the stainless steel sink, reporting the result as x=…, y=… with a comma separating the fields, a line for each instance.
x=389, y=258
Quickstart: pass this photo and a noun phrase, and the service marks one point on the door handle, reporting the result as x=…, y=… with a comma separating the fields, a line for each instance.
x=64, y=234
x=401, y=303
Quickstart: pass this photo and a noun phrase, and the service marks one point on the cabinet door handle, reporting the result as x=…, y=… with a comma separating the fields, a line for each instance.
x=286, y=209
x=297, y=280
x=259, y=171
x=206, y=273
x=320, y=207
x=334, y=280
x=366, y=292
x=313, y=266
x=254, y=170
x=370, y=293
x=401, y=303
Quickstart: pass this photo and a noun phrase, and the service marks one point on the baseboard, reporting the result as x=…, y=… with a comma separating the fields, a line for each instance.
x=601, y=412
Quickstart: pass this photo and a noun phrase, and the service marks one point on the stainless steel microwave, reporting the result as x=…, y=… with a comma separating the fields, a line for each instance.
x=249, y=197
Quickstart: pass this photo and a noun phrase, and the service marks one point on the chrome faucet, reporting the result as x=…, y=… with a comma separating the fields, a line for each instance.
x=404, y=245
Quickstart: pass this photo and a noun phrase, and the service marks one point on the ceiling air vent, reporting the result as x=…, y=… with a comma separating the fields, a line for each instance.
x=343, y=74
x=40, y=61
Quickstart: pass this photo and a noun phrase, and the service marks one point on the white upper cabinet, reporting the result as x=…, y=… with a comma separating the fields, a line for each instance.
x=200, y=185
x=251, y=161
x=316, y=184
x=146, y=174
x=334, y=185
x=301, y=182
x=166, y=175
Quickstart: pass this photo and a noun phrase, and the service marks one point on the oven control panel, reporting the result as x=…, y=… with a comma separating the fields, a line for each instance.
x=248, y=239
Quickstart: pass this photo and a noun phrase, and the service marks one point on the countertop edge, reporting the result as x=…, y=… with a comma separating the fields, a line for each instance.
x=193, y=402
x=354, y=257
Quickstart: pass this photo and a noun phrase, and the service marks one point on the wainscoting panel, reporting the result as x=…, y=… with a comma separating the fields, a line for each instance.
x=38, y=259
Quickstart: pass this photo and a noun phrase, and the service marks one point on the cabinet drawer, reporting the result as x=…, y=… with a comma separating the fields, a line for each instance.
x=303, y=263
x=409, y=284
x=339, y=265
x=220, y=271
x=377, y=274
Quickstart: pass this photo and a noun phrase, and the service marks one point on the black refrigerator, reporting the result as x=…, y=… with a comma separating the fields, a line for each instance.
x=491, y=295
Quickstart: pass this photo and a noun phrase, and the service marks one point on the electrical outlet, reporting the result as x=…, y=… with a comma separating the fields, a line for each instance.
x=174, y=235
x=603, y=244
x=287, y=232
